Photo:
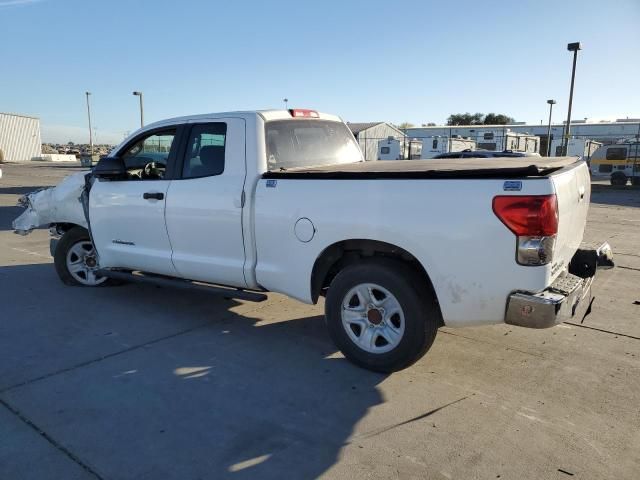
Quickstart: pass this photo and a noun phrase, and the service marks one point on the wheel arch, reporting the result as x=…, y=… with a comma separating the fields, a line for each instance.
x=63, y=227
x=340, y=254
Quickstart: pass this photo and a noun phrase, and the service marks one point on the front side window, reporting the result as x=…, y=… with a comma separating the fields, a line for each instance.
x=205, y=153
x=616, y=153
x=147, y=158
x=306, y=143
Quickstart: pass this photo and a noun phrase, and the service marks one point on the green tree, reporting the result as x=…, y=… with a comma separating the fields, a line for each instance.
x=497, y=119
x=404, y=125
x=465, y=119
x=479, y=119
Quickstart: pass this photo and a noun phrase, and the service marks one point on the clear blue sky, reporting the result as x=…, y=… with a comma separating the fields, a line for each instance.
x=415, y=61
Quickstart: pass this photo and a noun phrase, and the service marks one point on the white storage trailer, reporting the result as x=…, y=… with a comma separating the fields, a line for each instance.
x=504, y=139
x=423, y=148
x=577, y=147
x=395, y=149
x=436, y=145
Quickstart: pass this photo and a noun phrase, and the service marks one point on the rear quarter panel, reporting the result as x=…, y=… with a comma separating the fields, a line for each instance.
x=573, y=189
x=448, y=225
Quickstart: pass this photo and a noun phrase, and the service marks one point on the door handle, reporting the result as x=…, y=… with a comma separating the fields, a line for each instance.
x=153, y=195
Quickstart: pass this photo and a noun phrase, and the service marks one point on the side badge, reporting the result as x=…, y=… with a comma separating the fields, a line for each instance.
x=512, y=186
x=272, y=183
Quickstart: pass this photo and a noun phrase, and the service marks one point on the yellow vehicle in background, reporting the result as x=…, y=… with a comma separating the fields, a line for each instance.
x=621, y=161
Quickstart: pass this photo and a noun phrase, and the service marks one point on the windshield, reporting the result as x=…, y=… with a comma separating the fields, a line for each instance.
x=306, y=143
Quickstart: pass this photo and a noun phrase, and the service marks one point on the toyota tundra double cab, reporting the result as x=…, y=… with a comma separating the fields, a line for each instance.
x=243, y=203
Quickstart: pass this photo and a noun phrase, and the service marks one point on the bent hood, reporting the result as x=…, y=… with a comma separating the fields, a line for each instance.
x=59, y=204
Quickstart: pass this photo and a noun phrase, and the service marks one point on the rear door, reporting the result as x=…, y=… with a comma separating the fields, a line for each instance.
x=127, y=216
x=205, y=201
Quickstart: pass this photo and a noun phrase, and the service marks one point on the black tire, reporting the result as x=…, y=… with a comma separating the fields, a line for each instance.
x=618, y=179
x=421, y=313
x=68, y=240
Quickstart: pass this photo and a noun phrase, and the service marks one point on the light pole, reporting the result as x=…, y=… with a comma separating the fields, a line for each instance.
x=286, y=103
x=572, y=47
x=139, y=95
x=89, y=116
x=551, y=104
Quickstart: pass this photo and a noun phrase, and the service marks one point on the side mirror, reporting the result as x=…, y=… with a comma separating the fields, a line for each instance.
x=110, y=168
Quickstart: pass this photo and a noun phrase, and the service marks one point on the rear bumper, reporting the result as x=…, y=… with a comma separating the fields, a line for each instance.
x=569, y=297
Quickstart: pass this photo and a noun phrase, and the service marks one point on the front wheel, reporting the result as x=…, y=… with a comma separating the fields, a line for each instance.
x=618, y=179
x=381, y=315
x=76, y=261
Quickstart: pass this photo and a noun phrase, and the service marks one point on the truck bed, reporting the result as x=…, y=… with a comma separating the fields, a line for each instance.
x=452, y=168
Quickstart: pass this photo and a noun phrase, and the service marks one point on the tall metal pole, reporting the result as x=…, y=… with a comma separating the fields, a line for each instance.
x=141, y=112
x=89, y=116
x=551, y=103
x=139, y=95
x=572, y=47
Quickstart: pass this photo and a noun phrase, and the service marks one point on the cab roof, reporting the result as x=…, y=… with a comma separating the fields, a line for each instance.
x=266, y=115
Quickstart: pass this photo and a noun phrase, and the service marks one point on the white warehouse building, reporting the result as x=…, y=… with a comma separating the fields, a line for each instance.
x=19, y=137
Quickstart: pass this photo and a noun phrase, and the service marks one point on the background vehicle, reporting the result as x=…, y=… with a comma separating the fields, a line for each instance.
x=486, y=154
x=620, y=162
x=282, y=201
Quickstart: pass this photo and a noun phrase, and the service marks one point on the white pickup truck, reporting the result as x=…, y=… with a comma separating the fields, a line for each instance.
x=247, y=202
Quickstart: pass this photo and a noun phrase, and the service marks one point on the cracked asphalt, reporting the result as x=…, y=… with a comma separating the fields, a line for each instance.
x=140, y=382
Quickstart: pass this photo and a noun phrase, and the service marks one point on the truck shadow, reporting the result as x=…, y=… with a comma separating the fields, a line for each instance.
x=19, y=190
x=197, y=386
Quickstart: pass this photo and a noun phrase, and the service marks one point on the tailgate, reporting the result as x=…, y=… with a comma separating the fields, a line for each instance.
x=573, y=189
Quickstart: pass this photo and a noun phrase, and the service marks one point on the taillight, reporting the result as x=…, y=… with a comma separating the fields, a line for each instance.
x=304, y=113
x=534, y=215
x=534, y=221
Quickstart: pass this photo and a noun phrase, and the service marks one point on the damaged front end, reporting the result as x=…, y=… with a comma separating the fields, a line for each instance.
x=62, y=204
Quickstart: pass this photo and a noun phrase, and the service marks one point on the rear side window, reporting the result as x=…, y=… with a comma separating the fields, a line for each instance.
x=616, y=153
x=306, y=143
x=487, y=146
x=205, y=154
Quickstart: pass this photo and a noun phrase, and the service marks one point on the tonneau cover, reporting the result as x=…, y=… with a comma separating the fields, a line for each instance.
x=498, y=167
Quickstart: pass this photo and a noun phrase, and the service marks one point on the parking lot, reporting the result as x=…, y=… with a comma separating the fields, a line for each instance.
x=141, y=382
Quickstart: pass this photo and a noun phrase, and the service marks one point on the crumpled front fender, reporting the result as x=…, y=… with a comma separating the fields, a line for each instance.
x=59, y=204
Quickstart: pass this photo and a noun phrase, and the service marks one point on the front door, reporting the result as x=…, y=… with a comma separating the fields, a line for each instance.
x=204, y=203
x=127, y=216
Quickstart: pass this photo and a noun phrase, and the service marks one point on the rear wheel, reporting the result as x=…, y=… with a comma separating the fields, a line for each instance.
x=381, y=315
x=76, y=261
x=618, y=179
